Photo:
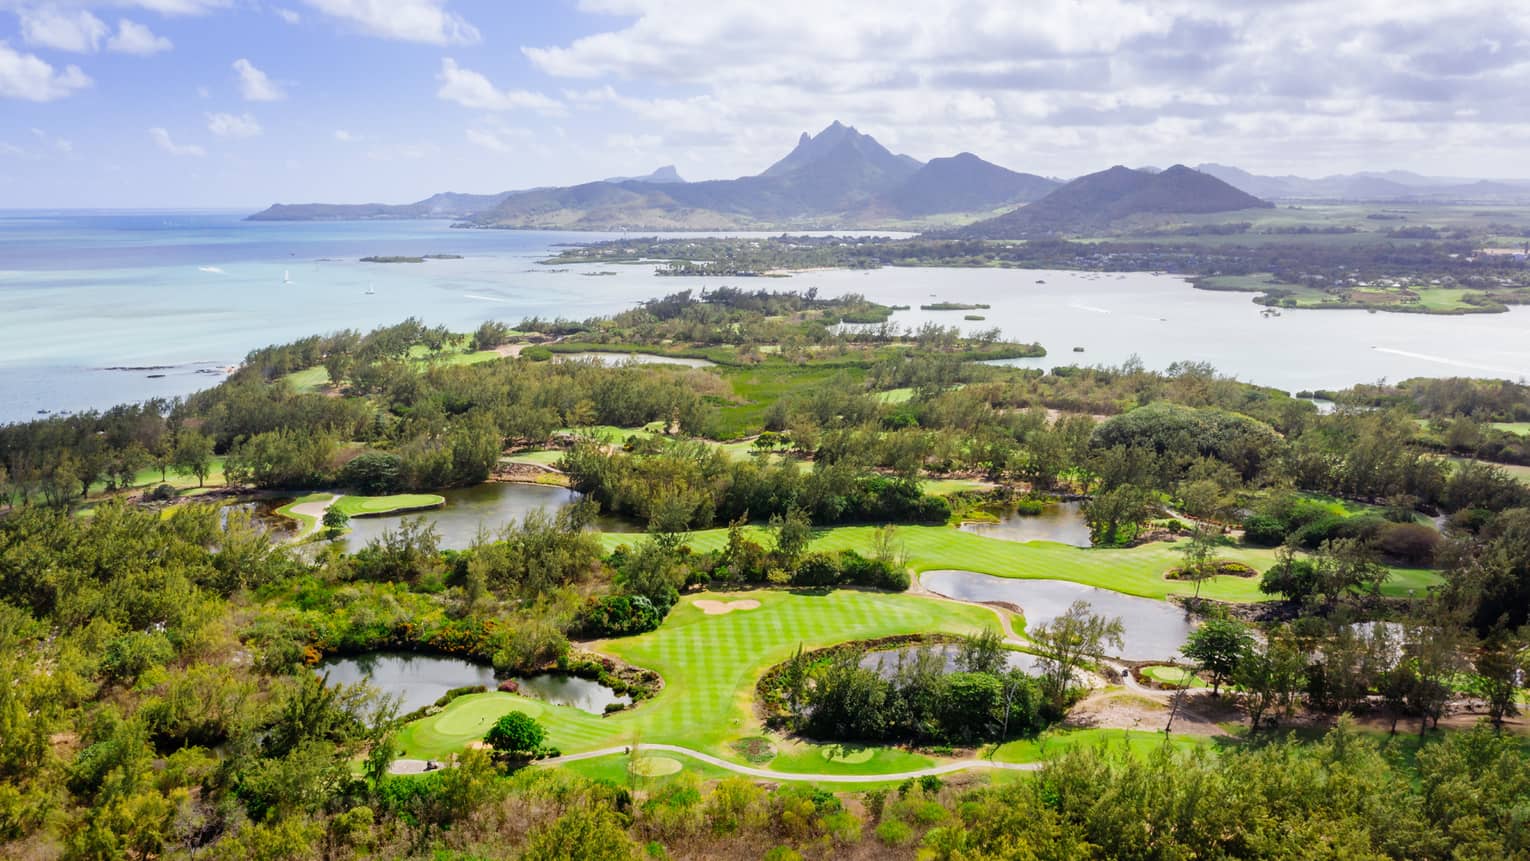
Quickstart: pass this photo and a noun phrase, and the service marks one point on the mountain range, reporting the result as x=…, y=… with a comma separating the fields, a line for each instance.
x=839, y=177
x=1373, y=186
x=1095, y=201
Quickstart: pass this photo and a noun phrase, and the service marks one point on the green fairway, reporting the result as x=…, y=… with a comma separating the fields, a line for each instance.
x=546, y=457
x=366, y=506
x=1516, y=428
x=1058, y=741
x=710, y=665
x=1133, y=571
x=150, y=477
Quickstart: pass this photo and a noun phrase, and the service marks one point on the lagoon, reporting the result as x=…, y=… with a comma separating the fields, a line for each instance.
x=489, y=507
x=172, y=298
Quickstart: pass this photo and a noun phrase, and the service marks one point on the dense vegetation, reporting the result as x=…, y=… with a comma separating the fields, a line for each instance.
x=156, y=692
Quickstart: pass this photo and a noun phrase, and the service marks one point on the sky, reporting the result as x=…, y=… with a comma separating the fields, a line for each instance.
x=242, y=103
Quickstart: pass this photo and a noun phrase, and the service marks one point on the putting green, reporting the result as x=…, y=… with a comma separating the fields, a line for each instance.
x=710, y=665
x=847, y=755
x=655, y=766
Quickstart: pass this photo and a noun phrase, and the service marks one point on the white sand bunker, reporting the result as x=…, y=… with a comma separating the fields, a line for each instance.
x=719, y=608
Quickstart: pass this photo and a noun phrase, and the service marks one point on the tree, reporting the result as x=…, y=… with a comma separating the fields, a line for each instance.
x=1115, y=515
x=1217, y=646
x=1499, y=665
x=793, y=532
x=516, y=735
x=1198, y=554
x=982, y=652
x=1067, y=642
x=1347, y=565
x=1270, y=676
x=335, y=521
x=193, y=455
x=1295, y=579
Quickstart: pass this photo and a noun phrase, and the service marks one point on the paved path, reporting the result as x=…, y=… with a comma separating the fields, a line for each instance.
x=414, y=766
x=316, y=511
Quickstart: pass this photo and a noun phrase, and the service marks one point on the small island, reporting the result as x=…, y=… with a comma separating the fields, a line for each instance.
x=954, y=306
x=400, y=258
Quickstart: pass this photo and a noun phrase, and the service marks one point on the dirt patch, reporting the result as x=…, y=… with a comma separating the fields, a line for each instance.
x=1198, y=714
x=722, y=608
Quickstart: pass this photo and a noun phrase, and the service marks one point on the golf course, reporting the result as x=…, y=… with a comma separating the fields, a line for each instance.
x=710, y=665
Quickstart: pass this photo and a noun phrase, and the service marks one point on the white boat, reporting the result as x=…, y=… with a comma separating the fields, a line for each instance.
x=286, y=277
x=369, y=291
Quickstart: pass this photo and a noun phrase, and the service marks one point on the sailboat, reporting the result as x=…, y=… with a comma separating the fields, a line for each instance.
x=286, y=277
x=369, y=291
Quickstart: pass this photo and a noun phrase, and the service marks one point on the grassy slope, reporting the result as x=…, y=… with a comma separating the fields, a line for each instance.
x=149, y=477
x=1134, y=571
x=710, y=666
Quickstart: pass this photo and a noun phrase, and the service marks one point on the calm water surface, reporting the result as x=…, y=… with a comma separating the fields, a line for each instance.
x=1154, y=629
x=885, y=662
x=489, y=506
x=1062, y=522
x=181, y=295
x=419, y=680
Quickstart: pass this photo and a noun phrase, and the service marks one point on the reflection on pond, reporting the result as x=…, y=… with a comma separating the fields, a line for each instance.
x=583, y=694
x=1062, y=522
x=417, y=680
x=490, y=506
x=618, y=359
x=262, y=514
x=886, y=661
x=1154, y=629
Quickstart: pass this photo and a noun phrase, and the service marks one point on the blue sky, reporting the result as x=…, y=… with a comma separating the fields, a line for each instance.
x=128, y=103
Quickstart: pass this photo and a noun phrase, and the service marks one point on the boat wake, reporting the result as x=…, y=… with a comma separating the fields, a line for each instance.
x=212, y=269
x=1089, y=308
x=483, y=298
x=1455, y=363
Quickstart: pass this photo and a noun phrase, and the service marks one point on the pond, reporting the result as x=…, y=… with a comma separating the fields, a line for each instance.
x=262, y=513
x=583, y=694
x=616, y=359
x=491, y=506
x=1062, y=522
x=885, y=661
x=1154, y=629
x=419, y=680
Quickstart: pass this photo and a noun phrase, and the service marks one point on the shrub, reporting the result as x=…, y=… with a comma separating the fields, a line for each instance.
x=1263, y=530
x=161, y=493
x=374, y=473
x=816, y=569
x=537, y=354
x=516, y=735
x=617, y=616
x=1411, y=543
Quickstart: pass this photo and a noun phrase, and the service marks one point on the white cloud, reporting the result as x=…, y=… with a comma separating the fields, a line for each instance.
x=136, y=39
x=344, y=136
x=29, y=78
x=233, y=125
x=10, y=149
x=254, y=84
x=77, y=31
x=472, y=90
x=500, y=139
x=165, y=142
x=404, y=20
x=288, y=15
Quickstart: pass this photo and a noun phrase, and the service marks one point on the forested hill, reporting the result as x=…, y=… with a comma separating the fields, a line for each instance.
x=1095, y=201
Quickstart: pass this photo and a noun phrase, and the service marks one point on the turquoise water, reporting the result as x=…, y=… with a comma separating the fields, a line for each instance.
x=177, y=297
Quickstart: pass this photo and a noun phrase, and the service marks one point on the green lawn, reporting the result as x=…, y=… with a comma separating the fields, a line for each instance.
x=1134, y=571
x=710, y=665
x=1516, y=428
x=364, y=506
x=948, y=486
x=149, y=477
x=1058, y=741
x=548, y=457
x=896, y=396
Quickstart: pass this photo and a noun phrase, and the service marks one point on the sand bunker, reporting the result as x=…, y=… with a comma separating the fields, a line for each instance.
x=719, y=608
